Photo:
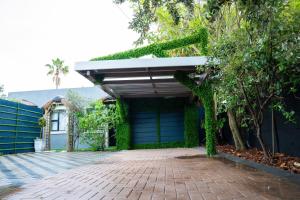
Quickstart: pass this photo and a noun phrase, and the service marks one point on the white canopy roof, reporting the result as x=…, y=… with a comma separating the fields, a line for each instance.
x=141, y=77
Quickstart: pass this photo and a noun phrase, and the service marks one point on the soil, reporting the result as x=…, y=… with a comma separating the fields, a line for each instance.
x=279, y=160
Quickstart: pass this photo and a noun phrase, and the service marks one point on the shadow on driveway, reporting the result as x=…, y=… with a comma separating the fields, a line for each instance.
x=19, y=169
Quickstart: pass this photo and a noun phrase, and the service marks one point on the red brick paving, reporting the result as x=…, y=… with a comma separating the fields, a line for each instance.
x=157, y=174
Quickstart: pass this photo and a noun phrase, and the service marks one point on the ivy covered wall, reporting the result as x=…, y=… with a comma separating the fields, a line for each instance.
x=123, y=131
x=205, y=93
x=160, y=49
x=191, y=125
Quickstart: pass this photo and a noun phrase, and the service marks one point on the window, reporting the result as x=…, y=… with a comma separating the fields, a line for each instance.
x=58, y=120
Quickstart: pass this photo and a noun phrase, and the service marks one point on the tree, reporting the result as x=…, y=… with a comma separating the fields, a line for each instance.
x=258, y=49
x=167, y=30
x=94, y=123
x=55, y=69
x=145, y=13
x=76, y=106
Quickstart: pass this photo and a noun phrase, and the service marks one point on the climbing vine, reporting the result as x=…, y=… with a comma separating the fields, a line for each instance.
x=123, y=135
x=191, y=130
x=205, y=92
x=160, y=49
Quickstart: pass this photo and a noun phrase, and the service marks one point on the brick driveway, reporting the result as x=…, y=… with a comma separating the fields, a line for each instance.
x=20, y=169
x=160, y=174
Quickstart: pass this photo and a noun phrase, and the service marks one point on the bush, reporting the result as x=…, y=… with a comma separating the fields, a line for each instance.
x=191, y=131
x=123, y=126
x=94, y=124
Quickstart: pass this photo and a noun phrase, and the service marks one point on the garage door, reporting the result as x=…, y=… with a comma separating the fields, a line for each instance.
x=171, y=127
x=145, y=127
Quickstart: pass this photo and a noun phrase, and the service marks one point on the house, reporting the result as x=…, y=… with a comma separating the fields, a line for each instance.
x=58, y=117
x=161, y=111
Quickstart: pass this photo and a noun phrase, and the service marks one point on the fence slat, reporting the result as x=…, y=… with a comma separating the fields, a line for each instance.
x=18, y=127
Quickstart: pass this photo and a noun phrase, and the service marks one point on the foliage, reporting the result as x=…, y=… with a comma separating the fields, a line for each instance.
x=191, y=130
x=160, y=49
x=55, y=69
x=213, y=7
x=42, y=122
x=94, y=123
x=189, y=24
x=145, y=13
x=76, y=103
x=123, y=132
x=257, y=44
x=76, y=106
x=205, y=92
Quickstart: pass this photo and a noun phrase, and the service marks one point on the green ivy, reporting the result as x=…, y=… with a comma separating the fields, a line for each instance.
x=205, y=92
x=160, y=49
x=123, y=136
x=191, y=130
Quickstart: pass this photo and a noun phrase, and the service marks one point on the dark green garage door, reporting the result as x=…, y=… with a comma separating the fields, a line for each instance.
x=171, y=127
x=147, y=126
x=144, y=128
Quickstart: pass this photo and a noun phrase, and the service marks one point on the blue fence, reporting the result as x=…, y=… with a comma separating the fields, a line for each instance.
x=18, y=127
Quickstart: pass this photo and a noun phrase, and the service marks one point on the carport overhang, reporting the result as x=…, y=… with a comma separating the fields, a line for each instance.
x=142, y=77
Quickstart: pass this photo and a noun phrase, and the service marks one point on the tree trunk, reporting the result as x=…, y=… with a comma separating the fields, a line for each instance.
x=275, y=145
x=47, y=130
x=259, y=138
x=70, y=146
x=238, y=141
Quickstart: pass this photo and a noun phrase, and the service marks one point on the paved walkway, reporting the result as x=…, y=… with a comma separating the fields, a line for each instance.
x=160, y=174
x=19, y=169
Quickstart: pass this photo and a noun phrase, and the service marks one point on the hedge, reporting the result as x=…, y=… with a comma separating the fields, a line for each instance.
x=123, y=132
x=159, y=50
x=205, y=93
x=191, y=129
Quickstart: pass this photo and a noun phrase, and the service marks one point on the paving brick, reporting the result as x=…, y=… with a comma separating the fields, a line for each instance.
x=158, y=174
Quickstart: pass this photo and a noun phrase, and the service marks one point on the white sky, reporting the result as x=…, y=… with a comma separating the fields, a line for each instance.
x=32, y=32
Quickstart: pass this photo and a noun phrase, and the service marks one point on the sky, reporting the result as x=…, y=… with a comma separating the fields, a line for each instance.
x=32, y=32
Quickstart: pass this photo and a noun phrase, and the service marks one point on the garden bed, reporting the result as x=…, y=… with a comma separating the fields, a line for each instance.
x=279, y=160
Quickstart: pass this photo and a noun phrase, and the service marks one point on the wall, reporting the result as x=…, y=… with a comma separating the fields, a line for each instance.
x=18, y=127
x=59, y=141
x=288, y=133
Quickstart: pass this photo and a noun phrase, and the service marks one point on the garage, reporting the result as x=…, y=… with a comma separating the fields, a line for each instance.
x=159, y=111
x=157, y=120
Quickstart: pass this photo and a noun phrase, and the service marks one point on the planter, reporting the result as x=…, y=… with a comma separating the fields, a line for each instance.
x=39, y=145
x=269, y=169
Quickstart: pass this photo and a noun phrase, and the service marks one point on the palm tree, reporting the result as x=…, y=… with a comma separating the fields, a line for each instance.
x=55, y=69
